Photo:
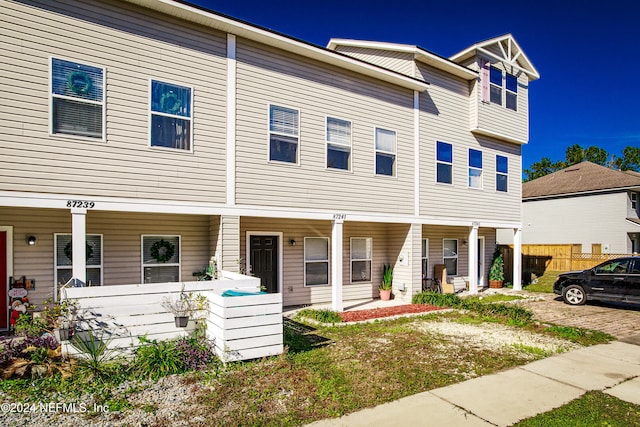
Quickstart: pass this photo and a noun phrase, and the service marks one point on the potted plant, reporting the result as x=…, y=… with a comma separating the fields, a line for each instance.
x=387, y=281
x=496, y=273
x=182, y=308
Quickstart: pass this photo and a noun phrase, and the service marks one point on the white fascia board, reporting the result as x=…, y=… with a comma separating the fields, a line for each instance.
x=251, y=32
x=418, y=53
x=581, y=193
x=498, y=135
x=113, y=204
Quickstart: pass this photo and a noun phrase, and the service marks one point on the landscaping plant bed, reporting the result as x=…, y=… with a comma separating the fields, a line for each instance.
x=378, y=313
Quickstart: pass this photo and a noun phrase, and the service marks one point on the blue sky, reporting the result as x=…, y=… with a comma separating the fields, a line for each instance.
x=587, y=53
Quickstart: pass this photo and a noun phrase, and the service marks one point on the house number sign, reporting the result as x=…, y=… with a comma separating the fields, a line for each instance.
x=80, y=204
x=339, y=216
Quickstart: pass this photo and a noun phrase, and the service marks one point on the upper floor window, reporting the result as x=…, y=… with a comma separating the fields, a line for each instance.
x=171, y=115
x=316, y=261
x=502, y=173
x=444, y=162
x=634, y=201
x=77, y=99
x=338, y=144
x=495, y=80
x=511, y=83
x=385, y=152
x=475, y=168
x=284, y=127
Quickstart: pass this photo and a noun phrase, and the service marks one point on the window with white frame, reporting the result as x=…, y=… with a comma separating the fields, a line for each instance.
x=495, y=85
x=425, y=258
x=171, y=115
x=511, y=84
x=284, y=124
x=160, y=259
x=502, y=173
x=77, y=99
x=475, y=168
x=316, y=261
x=450, y=256
x=444, y=162
x=338, y=144
x=64, y=258
x=361, y=257
x=385, y=152
x=634, y=201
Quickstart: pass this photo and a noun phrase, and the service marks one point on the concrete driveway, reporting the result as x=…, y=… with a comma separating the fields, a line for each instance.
x=620, y=320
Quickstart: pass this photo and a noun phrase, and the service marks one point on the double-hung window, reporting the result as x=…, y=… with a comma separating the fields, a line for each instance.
x=450, y=256
x=64, y=258
x=284, y=127
x=475, y=168
x=361, y=257
x=338, y=144
x=160, y=259
x=444, y=162
x=495, y=85
x=316, y=261
x=171, y=116
x=502, y=173
x=511, y=83
x=634, y=201
x=425, y=258
x=77, y=99
x=385, y=152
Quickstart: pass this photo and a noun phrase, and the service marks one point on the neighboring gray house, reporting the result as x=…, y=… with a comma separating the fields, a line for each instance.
x=585, y=204
x=139, y=138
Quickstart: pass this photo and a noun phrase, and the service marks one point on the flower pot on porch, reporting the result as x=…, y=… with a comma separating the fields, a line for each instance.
x=385, y=294
x=495, y=284
x=181, y=321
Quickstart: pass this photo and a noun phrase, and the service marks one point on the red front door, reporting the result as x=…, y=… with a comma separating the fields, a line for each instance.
x=3, y=280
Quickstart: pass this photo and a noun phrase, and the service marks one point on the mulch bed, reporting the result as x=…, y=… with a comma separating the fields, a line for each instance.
x=377, y=313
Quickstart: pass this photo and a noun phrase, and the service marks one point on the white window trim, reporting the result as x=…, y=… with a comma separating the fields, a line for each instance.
x=326, y=145
x=457, y=257
x=164, y=264
x=103, y=138
x=444, y=163
x=190, y=119
x=376, y=151
x=502, y=173
x=57, y=267
x=351, y=259
x=328, y=261
x=269, y=132
x=510, y=91
x=481, y=187
x=424, y=257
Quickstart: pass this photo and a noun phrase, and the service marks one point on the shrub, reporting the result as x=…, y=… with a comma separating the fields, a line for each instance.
x=155, y=359
x=322, y=316
x=95, y=355
x=32, y=356
x=196, y=352
x=28, y=326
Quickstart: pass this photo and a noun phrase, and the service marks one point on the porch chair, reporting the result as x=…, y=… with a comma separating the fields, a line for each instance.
x=441, y=278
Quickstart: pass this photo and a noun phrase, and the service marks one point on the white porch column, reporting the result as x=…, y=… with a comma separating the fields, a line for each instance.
x=336, y=265
x=473, y=258
x=79, y=245
x=517, y=259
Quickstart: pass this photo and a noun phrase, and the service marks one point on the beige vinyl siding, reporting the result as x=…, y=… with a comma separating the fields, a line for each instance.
x=401, y=62
x=121, y=243
x=444, y=117
x=268, y=76
x=134, y=46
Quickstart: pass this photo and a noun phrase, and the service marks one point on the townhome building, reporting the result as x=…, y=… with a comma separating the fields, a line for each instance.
x=141, y=138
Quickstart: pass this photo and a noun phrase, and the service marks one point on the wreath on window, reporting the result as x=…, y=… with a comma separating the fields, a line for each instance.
x=79, y=82
x=170, y=103
x=68, y=251
x=162, y=251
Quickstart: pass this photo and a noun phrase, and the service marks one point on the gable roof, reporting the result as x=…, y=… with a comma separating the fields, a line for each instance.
x=583, y=177
x=419, y=54
x=509, y=53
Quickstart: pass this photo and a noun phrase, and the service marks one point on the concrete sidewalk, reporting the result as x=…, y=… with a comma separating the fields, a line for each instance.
x=507, y=397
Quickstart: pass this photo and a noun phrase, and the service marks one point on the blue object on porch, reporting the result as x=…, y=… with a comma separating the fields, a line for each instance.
x=232, y=293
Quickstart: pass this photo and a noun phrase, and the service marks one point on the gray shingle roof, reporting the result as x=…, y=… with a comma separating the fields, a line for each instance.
x=580, y=178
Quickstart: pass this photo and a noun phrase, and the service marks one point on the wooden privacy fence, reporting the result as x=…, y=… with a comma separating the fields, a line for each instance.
x=119, y=315
x=536, y=259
